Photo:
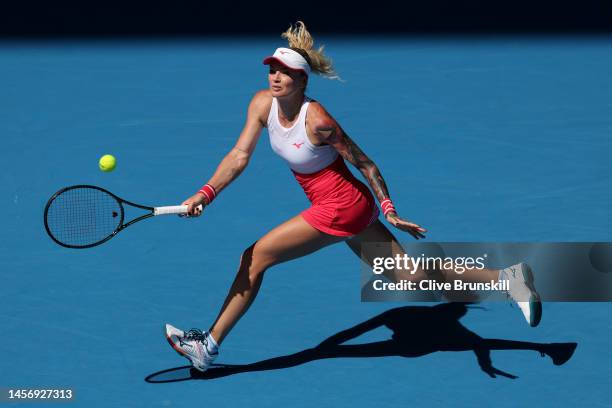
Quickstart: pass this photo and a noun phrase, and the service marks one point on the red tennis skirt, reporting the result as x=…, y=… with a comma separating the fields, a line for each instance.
x=341, y=205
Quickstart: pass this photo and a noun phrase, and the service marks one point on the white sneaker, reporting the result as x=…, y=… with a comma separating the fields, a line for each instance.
x=194, y=345
x=522, y=291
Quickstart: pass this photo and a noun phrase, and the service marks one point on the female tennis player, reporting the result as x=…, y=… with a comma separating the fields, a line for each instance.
x=343, y=209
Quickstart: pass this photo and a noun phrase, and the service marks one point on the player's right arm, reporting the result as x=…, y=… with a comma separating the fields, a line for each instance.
x=238, y=157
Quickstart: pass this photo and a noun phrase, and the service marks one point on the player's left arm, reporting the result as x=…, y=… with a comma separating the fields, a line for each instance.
x=325, y=129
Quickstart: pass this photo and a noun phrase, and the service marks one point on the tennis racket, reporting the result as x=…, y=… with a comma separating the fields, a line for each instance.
x=84, y=216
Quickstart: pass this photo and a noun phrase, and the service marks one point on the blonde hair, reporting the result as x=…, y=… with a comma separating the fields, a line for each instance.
x=301, y=41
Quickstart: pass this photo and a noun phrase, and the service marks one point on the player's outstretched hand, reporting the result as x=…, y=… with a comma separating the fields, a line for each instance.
x=413, y=229
x=193, y=203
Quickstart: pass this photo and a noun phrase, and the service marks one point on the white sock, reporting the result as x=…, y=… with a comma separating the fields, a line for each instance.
x=212, y=347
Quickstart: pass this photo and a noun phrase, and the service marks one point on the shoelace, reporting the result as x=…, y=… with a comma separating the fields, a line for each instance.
x=197, y=335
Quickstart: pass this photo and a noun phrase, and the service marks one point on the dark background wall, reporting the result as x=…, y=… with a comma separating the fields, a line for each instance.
x=61, y=18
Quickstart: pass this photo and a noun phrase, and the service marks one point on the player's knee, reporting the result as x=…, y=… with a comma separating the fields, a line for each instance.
x=254, y=262
x=261, y=262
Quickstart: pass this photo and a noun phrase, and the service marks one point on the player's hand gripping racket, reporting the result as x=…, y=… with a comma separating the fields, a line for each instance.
x=85, y=216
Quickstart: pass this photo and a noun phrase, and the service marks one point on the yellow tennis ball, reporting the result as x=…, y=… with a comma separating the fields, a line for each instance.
x=107, y=163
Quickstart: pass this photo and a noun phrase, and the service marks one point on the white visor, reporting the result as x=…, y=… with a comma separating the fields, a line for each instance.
x=290, y=59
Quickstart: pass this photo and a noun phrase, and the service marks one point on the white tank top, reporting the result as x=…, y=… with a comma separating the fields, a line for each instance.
x=293, y=145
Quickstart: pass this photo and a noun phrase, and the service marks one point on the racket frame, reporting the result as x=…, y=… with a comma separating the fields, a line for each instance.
x=121, y=226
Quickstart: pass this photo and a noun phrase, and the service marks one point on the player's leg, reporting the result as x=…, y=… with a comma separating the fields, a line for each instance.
x=377, y=241
x=290, y=240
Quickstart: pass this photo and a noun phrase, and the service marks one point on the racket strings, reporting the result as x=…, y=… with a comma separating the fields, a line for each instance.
x=83, y=216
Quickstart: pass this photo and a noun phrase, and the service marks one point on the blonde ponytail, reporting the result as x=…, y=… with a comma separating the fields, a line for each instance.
x=302, y=42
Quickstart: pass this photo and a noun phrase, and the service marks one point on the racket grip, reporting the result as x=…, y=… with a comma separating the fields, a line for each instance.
x=172, y=209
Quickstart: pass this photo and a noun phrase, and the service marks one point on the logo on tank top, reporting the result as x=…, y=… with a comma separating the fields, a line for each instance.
x=298, y=145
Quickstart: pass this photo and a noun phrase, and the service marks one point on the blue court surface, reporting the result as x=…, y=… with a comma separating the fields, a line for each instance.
x=479, y=139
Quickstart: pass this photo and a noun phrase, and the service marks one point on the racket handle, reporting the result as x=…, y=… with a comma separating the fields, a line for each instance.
x=172, y=209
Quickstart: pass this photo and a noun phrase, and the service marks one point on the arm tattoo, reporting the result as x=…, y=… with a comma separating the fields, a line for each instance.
x=349, y=151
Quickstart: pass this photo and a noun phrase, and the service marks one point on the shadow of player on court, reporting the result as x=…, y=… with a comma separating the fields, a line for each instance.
x=417, y=331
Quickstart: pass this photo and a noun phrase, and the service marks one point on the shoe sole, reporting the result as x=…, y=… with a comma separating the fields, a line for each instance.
x=178, y=350
x=535, y=305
